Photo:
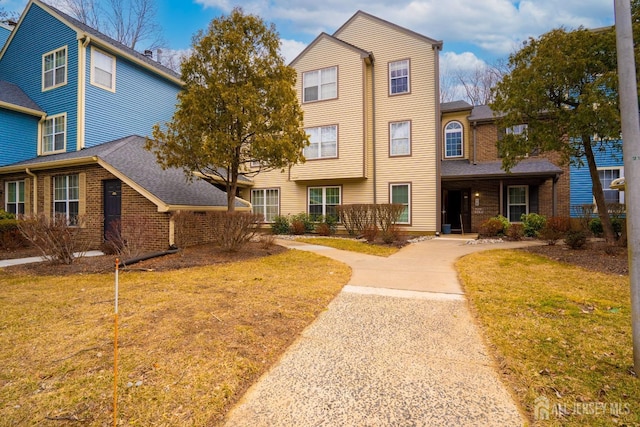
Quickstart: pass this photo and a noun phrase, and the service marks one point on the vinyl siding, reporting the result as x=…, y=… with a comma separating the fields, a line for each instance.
x=467, y=136
x=18, y=133
x=580, y=179
x=141, y=99
x=4, y=35
x=390, y=44
x=346, y=111
x=38, y=34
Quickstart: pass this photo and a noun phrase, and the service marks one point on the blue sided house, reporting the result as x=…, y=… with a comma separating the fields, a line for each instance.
x=69, y=97
x=610, y=166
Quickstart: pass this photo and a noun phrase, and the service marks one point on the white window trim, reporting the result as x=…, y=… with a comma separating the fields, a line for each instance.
x=67, y=200
x=402, y=184
x=391, y=153
x=461, y=140
x=17, y=202
x=324, y=197
x=113, y=71
x=603, y=168
x=319, y=85
x=66, y=68
x=42, y=135
x=408, y=77
x=264, y=207
x=526, y=201
x=321, y=157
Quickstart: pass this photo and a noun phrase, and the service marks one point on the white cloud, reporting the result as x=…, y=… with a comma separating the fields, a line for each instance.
x=290, y=49
x=451, y=62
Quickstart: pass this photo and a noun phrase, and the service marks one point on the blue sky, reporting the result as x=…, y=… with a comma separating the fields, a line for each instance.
x=473, y=31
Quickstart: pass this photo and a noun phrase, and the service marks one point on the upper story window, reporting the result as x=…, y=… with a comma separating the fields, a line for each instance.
x=453, y=140
x=103, y=70
x=320, y=84
x=400, y=138
x=323, y=143
x=15, y=197
x=399, y=77
x=54, y=68
x=54, y=134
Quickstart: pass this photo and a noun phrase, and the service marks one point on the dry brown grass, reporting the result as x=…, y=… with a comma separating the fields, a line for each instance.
x=558, y=332
x=352, y=245
x=191, y=341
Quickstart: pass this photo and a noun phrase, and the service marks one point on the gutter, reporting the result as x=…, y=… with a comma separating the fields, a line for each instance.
x=438, y=122
x=53, y=164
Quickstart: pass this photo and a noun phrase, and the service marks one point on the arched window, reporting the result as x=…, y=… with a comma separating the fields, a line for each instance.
x=453, y=139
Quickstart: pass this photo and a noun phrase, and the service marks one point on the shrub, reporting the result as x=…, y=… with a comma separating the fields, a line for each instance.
x=281, y=225
x=302, y=223
x=576, y=239
x=267, y=241
x=232, y=230
x=129, y=238
x=327, y=226
x=555, y=229
x=532, y=224
x=323, y=229
x=515, y=232
x=10, y=236
x=387, y=215
x=356, y=218
x=6, y=215
x=392, y=235
x=54, y=237
x=370, y=233
x=595, y=226
x=494, y=227
x=188, y=228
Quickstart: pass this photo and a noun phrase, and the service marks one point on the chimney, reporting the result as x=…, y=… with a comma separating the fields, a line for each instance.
x=148, y=54
x=159, y=56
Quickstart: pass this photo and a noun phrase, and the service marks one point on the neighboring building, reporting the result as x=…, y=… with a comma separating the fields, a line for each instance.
x=370, y=98
x=5, y=32
x=610, y=166
x=70, y=100
x=474, y=185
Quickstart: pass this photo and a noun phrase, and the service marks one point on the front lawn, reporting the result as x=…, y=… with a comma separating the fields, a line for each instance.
x=352, y=245
x=190, y=341
x=561, y=336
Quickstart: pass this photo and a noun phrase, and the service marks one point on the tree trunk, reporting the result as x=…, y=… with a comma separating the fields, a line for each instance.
x=598, y=194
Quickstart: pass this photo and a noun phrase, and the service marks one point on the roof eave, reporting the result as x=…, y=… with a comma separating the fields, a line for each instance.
x=21, y=109
x=53, y=164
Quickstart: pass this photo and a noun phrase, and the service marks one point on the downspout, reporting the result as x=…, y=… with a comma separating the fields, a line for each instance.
x=35, y=190
x=373, y=125
x=438, y=123
x=83, y=42
x=554, y=197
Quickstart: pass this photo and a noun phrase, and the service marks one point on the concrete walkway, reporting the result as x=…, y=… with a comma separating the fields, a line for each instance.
x=397, y=347
x=31, y=260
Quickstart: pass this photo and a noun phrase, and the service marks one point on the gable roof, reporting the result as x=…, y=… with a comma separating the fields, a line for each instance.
x=481, y=113
x=129, y=161
x=13, y=98
x=450, y=107
x=360, y=13
x=324, y=36
x=98, y=38
x=463, y=169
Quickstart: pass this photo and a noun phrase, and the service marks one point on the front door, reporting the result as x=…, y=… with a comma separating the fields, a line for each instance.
x=457, y=209
x=112, y=199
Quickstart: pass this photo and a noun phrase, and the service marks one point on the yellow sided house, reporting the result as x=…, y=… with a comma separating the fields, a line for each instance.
x=371, y=109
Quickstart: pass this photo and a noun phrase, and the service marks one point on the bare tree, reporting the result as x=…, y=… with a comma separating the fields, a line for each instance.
x=474, y=85
x=131, y=22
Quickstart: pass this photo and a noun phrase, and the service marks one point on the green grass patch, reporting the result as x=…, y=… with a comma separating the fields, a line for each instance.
x=351, y=245
x=561, y=336
x=191, y=341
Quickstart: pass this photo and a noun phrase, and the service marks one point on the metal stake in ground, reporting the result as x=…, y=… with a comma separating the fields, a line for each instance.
x=115, y=353
x=631, y=151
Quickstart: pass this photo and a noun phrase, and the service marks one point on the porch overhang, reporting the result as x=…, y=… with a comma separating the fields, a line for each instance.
x=463, y=170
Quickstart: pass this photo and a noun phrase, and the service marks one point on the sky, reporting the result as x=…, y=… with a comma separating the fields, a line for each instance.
x=474, y=32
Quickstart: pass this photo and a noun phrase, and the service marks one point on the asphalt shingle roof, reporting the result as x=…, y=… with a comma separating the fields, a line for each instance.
x=116, y=44
x=12, y=94
x=129, y=157
x=455, y=106
x=463, y=169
